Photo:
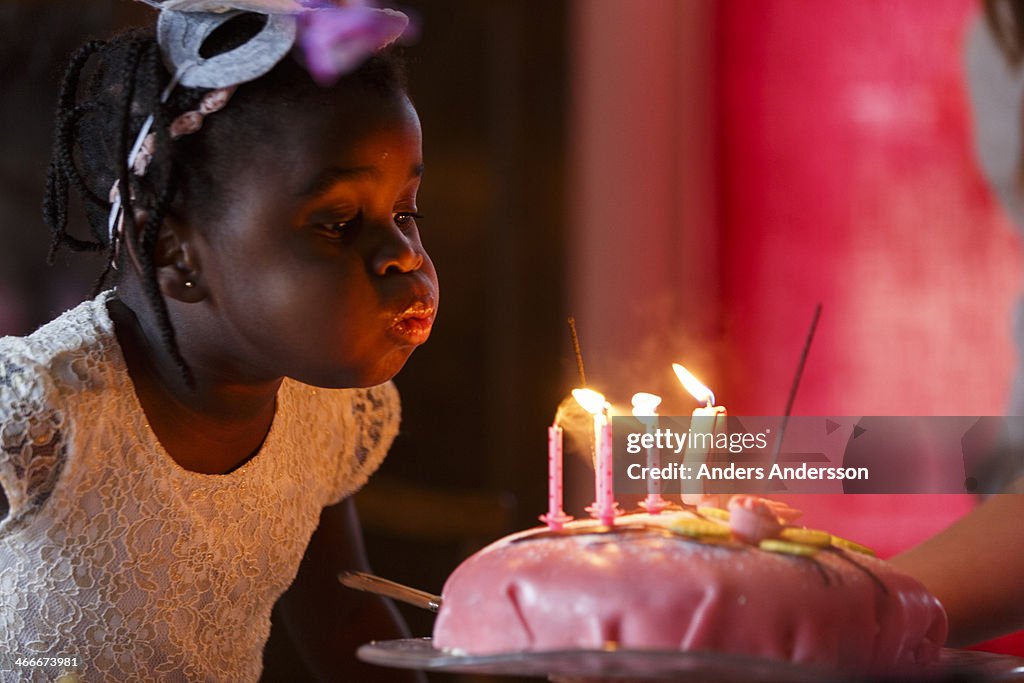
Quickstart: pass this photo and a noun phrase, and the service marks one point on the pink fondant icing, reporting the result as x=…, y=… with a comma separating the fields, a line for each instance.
x=653, y=590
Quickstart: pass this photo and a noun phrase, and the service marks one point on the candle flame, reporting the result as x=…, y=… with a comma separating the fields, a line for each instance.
x=645, y=405
x=693, y=385
x=593, y=402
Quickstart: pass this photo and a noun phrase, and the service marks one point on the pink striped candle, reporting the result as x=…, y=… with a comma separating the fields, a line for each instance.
x=555, y=517
x=604, y=507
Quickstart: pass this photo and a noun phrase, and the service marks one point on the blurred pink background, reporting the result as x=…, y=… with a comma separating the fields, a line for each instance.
x=736, y=163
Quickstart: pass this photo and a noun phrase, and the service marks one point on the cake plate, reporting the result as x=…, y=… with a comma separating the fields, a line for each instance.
x=961, y=666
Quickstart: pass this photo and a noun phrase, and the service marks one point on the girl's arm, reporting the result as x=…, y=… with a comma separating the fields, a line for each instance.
x=328, y=622
x=974, y=568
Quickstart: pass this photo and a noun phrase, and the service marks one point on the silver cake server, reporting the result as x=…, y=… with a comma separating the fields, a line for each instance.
x=361, y=581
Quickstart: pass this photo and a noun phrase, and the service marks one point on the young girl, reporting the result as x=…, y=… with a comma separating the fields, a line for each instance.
x=170, y=449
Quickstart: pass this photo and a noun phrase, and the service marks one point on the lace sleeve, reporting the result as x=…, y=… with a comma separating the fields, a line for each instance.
x=32, y=444
x=375, y=415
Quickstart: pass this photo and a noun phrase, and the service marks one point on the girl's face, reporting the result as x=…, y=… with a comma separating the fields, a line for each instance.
x=314, y=268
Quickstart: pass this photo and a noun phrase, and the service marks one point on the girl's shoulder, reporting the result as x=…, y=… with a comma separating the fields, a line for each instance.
x=353, y=428
x=71, y=352
x=376, y=412
x=40, y=376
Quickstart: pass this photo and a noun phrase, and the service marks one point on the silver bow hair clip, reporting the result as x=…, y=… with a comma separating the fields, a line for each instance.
x=333, y=37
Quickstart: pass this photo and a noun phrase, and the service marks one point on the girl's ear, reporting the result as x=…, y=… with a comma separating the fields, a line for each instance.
x=174, y=258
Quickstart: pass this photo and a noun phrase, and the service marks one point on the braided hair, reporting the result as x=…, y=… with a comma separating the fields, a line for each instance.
x=109, y=89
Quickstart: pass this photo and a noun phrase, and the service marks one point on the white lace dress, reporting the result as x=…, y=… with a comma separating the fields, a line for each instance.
x=114, y=554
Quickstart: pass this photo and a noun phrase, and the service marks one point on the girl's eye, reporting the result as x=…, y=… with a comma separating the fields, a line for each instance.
x=335, y=230
x=404, y=219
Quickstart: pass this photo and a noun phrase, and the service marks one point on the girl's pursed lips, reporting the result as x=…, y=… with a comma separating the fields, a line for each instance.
x=422, y=309
x=413, y=324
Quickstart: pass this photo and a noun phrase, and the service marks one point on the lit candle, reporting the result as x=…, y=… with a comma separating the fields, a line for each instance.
x=556, y=516
x=604, y=507
x=707, y=430
x=645, y=408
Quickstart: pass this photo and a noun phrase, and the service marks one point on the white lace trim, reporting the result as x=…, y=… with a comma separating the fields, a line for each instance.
x=114, y=553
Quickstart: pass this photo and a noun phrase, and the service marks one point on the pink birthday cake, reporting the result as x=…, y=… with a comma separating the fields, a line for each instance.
x=742, y=581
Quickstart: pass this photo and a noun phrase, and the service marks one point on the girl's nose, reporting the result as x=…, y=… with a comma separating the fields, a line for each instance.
x=397, y=252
